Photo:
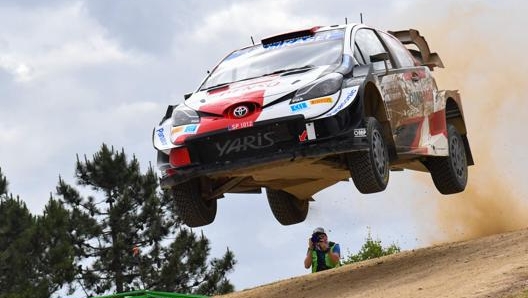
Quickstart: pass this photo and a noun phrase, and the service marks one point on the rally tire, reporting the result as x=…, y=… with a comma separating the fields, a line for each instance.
x=190, y=206
x=450, y=173
x=370, y=169
x=286, y=208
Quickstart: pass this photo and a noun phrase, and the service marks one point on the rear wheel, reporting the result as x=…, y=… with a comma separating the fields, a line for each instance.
x=370, y=169
x=450, y=173
x=190, y=206
x=286, y=208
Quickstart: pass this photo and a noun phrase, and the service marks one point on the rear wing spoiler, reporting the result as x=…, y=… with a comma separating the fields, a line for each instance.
x=423, y=55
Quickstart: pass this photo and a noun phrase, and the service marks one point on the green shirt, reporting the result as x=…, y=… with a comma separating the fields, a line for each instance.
x=317, y=259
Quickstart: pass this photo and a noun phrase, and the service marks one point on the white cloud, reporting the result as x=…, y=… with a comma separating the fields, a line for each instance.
x=258, y=18
x=7, y=134
x=45, y=41
x=18, y=69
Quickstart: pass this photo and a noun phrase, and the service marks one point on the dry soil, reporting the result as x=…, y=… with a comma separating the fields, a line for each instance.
x=493, y=266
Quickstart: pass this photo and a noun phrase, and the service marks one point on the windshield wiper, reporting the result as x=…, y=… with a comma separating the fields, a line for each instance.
x=288, y=71
x=215, y=86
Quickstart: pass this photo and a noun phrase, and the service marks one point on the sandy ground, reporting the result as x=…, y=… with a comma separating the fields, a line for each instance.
x=493, y=266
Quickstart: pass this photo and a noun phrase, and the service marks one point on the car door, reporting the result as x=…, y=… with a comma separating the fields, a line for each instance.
x=406, y=89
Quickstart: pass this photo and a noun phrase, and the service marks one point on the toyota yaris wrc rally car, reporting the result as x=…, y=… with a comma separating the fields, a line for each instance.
x=304, y=110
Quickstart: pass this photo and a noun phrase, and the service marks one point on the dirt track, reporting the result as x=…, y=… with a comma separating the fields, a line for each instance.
x=493, y=266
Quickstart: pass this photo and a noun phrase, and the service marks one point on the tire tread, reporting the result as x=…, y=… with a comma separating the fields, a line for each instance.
x=286, y=208
x=190, y=207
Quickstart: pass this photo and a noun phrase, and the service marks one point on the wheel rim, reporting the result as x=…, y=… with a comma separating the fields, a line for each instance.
x=379, y=153
x=457, y=157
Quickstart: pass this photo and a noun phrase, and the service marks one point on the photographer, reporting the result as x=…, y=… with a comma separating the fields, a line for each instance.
x=321, y=255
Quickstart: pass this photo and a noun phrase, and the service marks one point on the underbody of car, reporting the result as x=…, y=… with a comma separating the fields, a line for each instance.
x=304, y=110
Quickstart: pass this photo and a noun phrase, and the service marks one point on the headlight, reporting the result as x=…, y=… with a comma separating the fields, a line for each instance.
x=184, y=116
x=324, y=86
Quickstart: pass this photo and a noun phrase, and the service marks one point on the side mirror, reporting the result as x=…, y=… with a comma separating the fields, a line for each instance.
x=187, y=95
x=379, y=58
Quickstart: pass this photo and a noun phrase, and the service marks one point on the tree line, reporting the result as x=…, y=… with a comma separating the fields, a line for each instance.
x=114, y=231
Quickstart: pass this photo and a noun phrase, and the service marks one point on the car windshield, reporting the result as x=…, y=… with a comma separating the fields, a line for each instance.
x=322, y=49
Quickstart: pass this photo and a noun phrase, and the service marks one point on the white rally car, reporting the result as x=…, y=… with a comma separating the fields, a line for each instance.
x=304, y=110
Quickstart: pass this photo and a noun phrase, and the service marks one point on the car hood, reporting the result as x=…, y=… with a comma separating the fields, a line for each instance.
x=262, y=91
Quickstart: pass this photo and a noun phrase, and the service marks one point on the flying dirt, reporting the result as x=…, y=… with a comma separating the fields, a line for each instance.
x=480, y=259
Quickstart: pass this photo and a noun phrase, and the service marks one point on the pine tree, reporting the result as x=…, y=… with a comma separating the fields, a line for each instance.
x=54, y=233
x=186, y=271
x=16, y=250
x=122, y=231
x=3, y=184
x=36, y=256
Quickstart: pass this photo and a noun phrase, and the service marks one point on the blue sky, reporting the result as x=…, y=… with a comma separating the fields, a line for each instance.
x=75, y=74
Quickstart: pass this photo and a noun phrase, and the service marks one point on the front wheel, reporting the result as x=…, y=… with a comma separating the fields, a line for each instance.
x=286, y=208
x=370, y=169
x=190, y=206
x=450, y=173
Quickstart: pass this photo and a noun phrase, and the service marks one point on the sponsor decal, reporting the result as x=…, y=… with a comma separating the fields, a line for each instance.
x=240, y=53
x=418, y=97
x=161, y=136
x=183, y=129
x=345, y=102
x=236, y=89
x=310, y=129
x=258, y=141
x=303, y=136
x=308, y=133
x=360, y=132
x=297, y=99
x=240, y=125
x=176, y=130
x=299, y=106
x=321, y=100
x=282, y=43
x=328, y=35
x=191, y=128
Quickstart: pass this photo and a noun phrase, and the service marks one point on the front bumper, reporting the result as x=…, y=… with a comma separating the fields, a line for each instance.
x=280, y=140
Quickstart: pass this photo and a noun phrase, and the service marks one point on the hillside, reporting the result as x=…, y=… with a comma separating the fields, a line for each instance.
x=493, y=266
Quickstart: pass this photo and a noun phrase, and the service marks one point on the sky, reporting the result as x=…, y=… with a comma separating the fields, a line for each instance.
x=77, y=74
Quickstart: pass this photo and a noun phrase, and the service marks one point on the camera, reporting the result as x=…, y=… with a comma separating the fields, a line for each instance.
x=315, y=238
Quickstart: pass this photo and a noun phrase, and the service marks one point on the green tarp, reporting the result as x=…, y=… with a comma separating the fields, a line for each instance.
x=151, y=294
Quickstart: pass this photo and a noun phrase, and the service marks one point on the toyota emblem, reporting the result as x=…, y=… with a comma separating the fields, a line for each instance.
x=240, y=111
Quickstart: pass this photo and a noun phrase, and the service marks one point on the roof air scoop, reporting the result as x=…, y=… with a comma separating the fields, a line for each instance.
x=290, y=35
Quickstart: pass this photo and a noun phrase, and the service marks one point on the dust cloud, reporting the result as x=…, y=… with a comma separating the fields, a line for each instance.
x=483, y=48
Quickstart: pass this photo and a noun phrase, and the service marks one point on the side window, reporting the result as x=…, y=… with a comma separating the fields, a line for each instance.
x=369, y=44
x=402, y=56
x=358, y=55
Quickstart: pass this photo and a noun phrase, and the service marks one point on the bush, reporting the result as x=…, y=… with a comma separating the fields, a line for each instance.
x=370, y=250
